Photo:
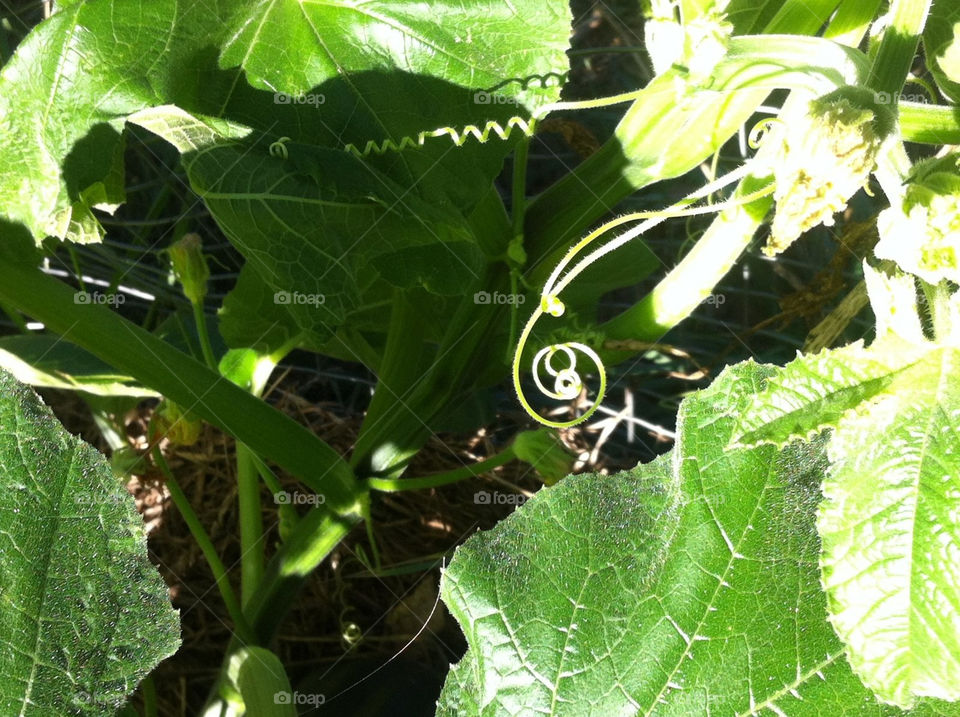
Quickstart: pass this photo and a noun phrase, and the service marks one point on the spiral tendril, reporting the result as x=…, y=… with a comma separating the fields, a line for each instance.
x=567, y=383
x=279, y=148
x=760, y=130
x=459, y=137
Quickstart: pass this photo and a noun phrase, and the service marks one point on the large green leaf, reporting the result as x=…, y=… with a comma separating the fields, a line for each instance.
x=814, y=391
x=889, y=524
x=83, y=614
x=291, y=47
x=376, y=72
x=891, y=533
x=383, y=71
x=314, y=225
x=64, y=96
x=687, y=586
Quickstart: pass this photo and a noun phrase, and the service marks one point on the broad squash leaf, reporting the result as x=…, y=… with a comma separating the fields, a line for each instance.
x=889, y=523
x=686, y=586
x=84, y=616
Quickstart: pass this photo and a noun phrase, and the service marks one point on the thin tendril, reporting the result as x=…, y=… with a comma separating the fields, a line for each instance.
x=567, y=384
x=760, y=130
x=503, y=131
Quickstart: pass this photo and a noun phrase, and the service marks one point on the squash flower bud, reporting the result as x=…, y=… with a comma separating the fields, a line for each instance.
x=827, y=154
x=177, y=425
x=190, y=267
x=922, y=233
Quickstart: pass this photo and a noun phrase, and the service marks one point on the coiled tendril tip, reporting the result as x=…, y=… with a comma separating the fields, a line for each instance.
x=279, y=148
x=760, y=131
x=552, y=305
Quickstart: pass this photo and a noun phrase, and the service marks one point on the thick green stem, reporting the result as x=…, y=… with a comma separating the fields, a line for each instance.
x=315, y=535
x=468, y=347
x=149, y=690
x=518, y=212
x=189, y=383
x=929, y=124
x=898, y=47
x=402, y=368
x=310, y=542
x=248, y=492
x=519, y=188
x=251, y=523
x=661, y=124
x=679, y=293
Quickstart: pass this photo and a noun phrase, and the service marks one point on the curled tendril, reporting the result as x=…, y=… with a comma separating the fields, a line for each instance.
x=557, y=79
x=567, y=382
x=279, y=148
x=460, y=136
x=760, y=131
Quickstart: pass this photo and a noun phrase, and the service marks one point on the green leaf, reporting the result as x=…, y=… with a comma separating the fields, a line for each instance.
x=312, y=225
x=63, y=97
x=889, y=525
x=52, y=362
x=813, y=392
x=84, y=616
x=686, y=586
x=941, y=44
x=251, y=317
x=65, y=94
x=258, y=677
x=891, y=535
x=480, y=43
x=544, y=450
